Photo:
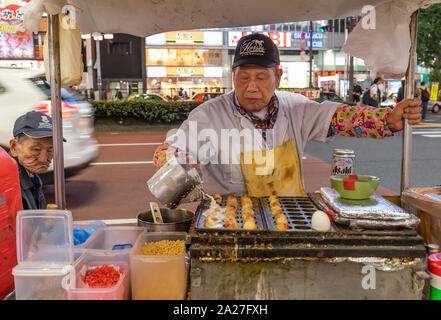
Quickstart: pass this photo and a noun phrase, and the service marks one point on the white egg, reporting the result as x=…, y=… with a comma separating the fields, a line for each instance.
x=320, y=221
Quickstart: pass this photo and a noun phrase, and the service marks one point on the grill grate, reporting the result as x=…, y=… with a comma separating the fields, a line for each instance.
x=298, y=211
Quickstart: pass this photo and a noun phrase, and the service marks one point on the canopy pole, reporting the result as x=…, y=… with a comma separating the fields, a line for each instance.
x=54, y=63
x=409, y=92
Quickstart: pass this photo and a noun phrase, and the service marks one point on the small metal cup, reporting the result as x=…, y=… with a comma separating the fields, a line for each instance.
x=173, y=182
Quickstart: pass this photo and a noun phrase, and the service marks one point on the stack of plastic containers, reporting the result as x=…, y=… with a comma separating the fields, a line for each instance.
x=44, y=253
x=110, y=246
x=158, y=277
x=79, y=290
x=113, y=243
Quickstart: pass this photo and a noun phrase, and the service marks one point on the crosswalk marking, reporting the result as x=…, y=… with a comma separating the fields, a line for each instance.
x=432, y=135
x=119, y=163
x=129, y=144
x=426, y=132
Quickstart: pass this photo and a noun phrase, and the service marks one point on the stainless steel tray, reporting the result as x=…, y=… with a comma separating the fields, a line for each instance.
x=298, y=211
x=205, y=204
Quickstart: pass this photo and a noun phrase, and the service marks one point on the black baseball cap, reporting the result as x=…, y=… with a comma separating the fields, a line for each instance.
x=257, y=49
x=34, y=124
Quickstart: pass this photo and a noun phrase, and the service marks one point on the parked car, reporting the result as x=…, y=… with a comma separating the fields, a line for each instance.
x=146, y=96
x=24, y=90
x=204, y=96
x=330, y=96
x=433, y=106
x=390, y=101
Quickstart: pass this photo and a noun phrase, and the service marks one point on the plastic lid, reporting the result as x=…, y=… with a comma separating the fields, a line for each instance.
x=21, y=271
x=44, y=237
x=435, y=264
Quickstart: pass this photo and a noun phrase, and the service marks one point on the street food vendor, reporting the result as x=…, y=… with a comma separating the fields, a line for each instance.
x=251, y=140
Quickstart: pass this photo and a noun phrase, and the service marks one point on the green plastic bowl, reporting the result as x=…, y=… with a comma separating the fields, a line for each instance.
x=365, y=186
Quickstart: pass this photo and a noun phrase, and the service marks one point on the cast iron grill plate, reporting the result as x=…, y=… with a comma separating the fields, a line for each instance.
x=298, y=211
x=205, y=205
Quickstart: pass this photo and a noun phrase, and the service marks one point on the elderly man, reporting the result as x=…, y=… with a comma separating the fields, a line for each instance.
x=215, y=133
x=32, y=149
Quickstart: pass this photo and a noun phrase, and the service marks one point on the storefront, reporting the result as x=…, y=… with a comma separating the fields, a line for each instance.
x=186, y=61
x=294, y=63
x=200, y=61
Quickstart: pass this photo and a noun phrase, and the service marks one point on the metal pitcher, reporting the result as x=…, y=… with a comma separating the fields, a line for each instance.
x=173, y=182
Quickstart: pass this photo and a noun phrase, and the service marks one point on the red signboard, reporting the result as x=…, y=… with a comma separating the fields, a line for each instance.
x=15, y=40
x=10, y=10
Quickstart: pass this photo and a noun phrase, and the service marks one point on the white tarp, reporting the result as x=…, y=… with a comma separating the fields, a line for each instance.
x=385, y=49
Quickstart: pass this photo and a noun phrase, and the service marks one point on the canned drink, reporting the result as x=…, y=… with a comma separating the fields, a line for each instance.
x=343, y=162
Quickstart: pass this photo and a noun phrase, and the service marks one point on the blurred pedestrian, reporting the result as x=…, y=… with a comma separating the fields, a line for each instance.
x=425, y=97
x=400, y=96
x=372, y=96
x=92, y=95
x=356, y=92
x=119, y=95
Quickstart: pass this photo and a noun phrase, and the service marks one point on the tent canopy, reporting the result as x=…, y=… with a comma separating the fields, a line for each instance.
x=384, y=49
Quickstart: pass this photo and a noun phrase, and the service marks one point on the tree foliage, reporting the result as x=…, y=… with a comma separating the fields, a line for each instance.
x=429, y=40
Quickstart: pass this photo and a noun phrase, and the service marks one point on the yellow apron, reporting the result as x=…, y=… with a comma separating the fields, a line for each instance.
x=272, y=172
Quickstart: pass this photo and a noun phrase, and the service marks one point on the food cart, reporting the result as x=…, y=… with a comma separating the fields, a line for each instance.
x=269, y=264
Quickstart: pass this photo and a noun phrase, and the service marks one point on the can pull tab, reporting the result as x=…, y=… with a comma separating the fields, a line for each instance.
x=156, y=213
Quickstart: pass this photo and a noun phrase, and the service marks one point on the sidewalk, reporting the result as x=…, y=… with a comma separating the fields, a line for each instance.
x=317, y=172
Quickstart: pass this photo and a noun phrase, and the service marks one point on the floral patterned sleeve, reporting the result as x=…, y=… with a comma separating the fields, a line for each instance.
x=163, y=153
x=355, y=121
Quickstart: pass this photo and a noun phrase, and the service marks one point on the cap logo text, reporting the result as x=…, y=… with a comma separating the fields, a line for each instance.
x=44, y=123
x=252, y=47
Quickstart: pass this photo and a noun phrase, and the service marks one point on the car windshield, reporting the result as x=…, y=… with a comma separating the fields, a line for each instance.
x=67, y=94
x=331, y=96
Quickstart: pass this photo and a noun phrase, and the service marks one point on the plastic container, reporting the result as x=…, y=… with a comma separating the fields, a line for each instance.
x=114, y=242
x=44, y=238
x=434, y=264
x=78, y=290
x=157, y=277
x=39, y=283
x=44, y=282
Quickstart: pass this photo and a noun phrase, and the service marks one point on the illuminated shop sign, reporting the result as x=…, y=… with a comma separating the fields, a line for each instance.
x=15, y=40
x=185, y=71
x=315, y=36
x=281, y=39
x=181, y=38
x=185, y=38
x=317, y=39
x=11, y=16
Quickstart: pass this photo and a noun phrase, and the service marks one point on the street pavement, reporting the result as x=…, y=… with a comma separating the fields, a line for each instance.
x=115, y=185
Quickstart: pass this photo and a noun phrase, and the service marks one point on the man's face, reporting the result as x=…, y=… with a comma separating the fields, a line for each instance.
x=255, y=85
x=35, y=154
x=354, y=81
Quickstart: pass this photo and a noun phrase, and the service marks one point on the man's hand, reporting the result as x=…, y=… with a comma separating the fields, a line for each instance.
x=407, y=109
